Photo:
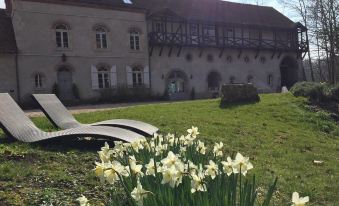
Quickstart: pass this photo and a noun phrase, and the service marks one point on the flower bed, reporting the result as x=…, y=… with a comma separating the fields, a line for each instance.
x=170, y=170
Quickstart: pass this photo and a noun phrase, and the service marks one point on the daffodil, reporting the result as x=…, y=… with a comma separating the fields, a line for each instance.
x=169, y=175
x=227, y=166
x=139, y=194
x=100, y=168
x=211, y=169
x=112, y=174
x=299, y=201
x=201, y=147
x=197, y=182
x=136, y=169
x=193, y=131
x=137, y=144
x=83, y=201
x=242, y=164
x=170, y=159
x=217, y=150
x=150, y=167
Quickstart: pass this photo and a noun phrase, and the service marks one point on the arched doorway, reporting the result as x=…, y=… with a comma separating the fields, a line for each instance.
x=289, y=72
x=177, y=85
x=213, y=81
x=65, y=83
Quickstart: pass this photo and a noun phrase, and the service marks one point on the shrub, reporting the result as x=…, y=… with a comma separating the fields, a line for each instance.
x=181, y=170
x=335, y=92
x=314, y=91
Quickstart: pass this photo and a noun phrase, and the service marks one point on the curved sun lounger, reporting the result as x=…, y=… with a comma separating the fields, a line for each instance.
x=62, y=118
x=16, y=124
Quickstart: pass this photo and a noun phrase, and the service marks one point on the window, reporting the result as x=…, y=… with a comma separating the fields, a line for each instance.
x=38, y=81
x=103, y=78
x=137, y=75
x=134, y=40
x=62, y=38
x=101, y=38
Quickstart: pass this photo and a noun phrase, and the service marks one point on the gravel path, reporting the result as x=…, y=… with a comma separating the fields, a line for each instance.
x=95, y=108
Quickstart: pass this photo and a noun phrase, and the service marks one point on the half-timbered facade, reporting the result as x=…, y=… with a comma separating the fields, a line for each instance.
x=179, y=48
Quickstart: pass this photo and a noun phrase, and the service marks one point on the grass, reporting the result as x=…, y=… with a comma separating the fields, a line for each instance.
x=280, y=134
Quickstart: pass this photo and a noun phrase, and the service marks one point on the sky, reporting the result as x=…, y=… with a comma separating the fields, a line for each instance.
x=273, y=3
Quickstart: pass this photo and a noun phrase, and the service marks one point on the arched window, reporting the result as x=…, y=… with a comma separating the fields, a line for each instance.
x=62, y=36
x=38, y=80
x=213, y=81
x=134, y=38
x=101, y=38
x=103, y=78
x=137, y=75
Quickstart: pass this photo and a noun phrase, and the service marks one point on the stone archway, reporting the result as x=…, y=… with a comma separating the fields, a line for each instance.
x=177, y=85
x=65, y=83
x=289, y=72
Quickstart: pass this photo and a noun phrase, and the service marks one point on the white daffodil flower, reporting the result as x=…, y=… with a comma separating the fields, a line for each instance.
x=299, y=201
x=242, y=164
x=169, y=175
x=136, y=169
x=150, y=167
x=197, y=182
x=137, y=144
x=170, y=160
x=217, y=150
x=228, y=166
x=83, y=201
x=112, y=174
x=201, y=147
x=193, y=131
x=211, y=169
x=138, y=194
x=100, y=168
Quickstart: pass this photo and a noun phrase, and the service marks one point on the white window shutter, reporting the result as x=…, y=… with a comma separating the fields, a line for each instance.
x=129, y=76
x=94, y=76
x=114, y=77
x=146, y=77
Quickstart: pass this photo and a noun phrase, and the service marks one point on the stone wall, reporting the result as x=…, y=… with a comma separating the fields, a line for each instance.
x=8, y=83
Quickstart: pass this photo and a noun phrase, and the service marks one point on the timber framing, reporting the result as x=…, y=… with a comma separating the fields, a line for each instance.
x=169, y=31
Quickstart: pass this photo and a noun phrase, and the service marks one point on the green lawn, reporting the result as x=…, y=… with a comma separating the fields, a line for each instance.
x=280, y=135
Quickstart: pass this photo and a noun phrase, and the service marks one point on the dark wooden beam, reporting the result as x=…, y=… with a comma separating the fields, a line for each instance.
x=240, y=53
x=170, y=51
x=257, y=54
x=201, y=51
x=161, y=49
x=221, y=52
x=151, y=51
x=179, y=52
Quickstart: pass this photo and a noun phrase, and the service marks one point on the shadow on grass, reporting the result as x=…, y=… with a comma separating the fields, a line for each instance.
x=62, y=144
x=224, y=105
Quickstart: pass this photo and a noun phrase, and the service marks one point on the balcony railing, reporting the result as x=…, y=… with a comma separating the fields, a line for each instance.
x=177, y=39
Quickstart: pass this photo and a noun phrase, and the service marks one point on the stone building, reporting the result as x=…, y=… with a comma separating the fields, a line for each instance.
x=162, y=46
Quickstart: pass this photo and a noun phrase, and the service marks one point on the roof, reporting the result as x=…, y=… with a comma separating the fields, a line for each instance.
x=7, y=38
x=221, y=11
x=204, y=10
